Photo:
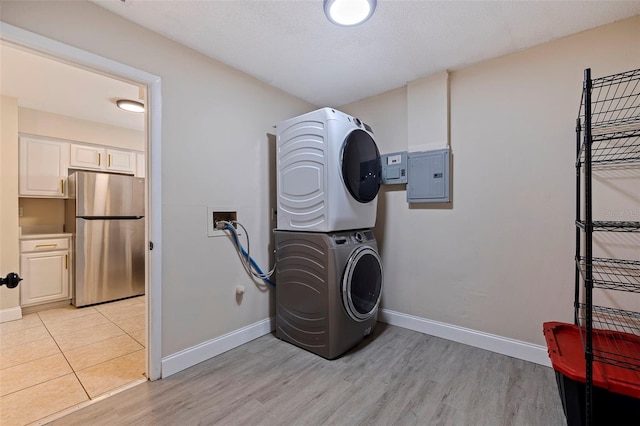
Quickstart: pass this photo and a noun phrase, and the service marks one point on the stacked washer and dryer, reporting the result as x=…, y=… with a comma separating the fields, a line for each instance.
x=329, y=273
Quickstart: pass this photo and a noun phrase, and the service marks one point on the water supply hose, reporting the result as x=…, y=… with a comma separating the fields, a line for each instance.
x=247, y=261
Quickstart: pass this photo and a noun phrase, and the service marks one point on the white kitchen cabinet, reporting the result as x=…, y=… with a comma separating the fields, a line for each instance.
x=121, y=161
x=89, y=157
x=45, y=268
x=43, y=167
x=141, y=165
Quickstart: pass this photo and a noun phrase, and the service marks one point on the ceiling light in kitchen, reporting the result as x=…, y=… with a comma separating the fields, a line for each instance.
x=129, y=105
x=349, y=12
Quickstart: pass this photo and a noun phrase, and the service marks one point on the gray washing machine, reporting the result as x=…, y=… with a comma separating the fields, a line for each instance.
x=328, y=289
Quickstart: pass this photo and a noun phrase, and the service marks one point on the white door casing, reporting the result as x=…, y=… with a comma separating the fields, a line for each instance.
x=29, y=40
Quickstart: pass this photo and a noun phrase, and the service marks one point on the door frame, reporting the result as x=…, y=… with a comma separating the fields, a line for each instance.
x=153, y=204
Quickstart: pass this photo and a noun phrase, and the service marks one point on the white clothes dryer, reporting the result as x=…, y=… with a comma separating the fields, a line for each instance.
x=328, y=173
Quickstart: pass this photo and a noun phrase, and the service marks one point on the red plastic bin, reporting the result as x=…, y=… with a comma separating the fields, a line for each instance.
x=616, y=393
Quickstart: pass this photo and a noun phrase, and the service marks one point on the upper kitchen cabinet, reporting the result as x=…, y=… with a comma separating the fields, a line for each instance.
x=121, y=161
x=88, y=157
x=43, y=167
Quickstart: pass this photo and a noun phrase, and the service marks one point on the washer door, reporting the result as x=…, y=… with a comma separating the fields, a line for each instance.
x=362, y=283
x=361, y=166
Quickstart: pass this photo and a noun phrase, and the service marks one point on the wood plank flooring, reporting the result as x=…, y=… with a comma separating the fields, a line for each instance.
x=397, y=377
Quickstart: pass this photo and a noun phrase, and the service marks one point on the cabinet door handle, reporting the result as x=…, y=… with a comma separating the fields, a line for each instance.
x=98, y=159
x=108, y=160
x=46, y=245
x=66, y=261
x=62, y=186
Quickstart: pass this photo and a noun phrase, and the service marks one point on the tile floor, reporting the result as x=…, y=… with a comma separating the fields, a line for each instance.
x=55, y=359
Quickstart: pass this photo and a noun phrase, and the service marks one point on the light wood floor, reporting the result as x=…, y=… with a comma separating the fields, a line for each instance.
x=55, y=359
x=397, y=377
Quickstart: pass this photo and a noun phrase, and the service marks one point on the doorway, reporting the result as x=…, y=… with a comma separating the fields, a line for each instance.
x=150, y=86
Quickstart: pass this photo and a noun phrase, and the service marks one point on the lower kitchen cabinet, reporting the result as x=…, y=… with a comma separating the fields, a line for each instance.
x=45, y=266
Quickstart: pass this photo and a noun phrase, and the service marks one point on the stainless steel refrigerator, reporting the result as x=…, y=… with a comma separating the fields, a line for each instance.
x=106, y=214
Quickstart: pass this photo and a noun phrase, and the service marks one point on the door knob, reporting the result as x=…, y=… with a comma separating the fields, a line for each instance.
x=11, y=280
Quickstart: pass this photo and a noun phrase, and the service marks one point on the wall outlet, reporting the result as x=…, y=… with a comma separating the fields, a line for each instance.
x=215, y=214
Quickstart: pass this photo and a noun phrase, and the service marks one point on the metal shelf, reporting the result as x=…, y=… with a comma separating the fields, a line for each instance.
x=613, y=274
x=607, y=133
x=611, y=226
x=615, y=119
x=614, y=102
x=616, y=147
x=616, y=336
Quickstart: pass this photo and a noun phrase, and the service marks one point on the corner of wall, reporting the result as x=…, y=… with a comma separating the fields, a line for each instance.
x=428, y=112
x=9, y=248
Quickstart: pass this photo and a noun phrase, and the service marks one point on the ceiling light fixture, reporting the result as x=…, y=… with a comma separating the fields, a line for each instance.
x=129, y=105
x=348, y=13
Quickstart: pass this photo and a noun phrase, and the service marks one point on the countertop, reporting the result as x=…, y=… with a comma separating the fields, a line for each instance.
x=43, y=236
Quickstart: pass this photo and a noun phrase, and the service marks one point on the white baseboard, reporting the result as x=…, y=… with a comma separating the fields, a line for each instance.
x=206, y=350
x=10, y=314
x=491, y=342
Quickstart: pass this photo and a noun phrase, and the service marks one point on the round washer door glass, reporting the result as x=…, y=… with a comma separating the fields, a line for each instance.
x=361, y=166
x=362, y=283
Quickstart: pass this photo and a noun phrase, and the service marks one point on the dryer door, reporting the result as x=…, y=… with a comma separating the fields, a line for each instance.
x=361, y=166
x=362, y=283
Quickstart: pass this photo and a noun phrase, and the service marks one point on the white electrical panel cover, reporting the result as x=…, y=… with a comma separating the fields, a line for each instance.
x=428, y=177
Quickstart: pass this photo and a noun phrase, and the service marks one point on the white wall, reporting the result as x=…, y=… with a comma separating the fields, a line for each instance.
x=9, y=251
x=215, y=151
x=428, y=112
x=501, y=259
x=42, y=215
x=73, y=129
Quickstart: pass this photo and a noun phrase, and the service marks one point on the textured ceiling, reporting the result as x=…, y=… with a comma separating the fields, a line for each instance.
x=291, y=45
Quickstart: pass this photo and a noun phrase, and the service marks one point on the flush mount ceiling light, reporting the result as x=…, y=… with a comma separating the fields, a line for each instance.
x=129, y=105
x=348, y=13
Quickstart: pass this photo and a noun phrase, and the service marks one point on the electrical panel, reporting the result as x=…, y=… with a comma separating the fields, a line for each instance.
x=394, y=168
x=428, y=177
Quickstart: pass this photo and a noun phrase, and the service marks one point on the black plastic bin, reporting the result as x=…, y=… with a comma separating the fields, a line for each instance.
x=610, y=408
x=616, y=390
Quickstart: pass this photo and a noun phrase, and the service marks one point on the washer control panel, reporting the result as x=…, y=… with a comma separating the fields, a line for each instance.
x=352, y=237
